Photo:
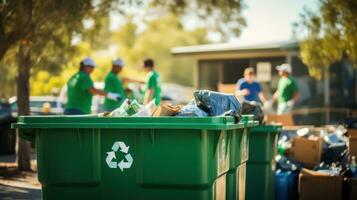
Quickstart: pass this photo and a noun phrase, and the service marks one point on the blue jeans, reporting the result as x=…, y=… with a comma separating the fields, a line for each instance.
x=73, y=111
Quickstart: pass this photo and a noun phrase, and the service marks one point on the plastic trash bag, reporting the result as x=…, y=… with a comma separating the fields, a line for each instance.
x=285, y=164
x=254, y=108
x=146, y=110
x=351, y=122
x=335, y=153
x=127, y=108
x=215, y=103
x=192, y=110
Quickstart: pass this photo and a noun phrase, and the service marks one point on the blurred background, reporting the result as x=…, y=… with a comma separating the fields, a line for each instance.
x=200, y=44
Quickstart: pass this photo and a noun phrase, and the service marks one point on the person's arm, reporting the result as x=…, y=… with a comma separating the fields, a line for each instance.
x=133, y=80
x=149, y=95
x=122, y=92
x=275, y=96
x=262, y=96
x=94, y=91
x=241, y=92
x=109, y=95
x=292, y=101
x=296, y=96
x=150, y=89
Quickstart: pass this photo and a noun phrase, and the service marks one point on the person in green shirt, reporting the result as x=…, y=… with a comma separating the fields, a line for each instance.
x=114, y=84
x=80, y=90
x=287, y=93
x=152, y=83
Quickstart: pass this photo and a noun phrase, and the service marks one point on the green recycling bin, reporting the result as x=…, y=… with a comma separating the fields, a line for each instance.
x=89, y=157
x=261, y=163
x=239, y=148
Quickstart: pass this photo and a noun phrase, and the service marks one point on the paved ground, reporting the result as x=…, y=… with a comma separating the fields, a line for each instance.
x=18, y=185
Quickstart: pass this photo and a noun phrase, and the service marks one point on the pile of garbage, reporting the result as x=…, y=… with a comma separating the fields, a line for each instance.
x=311, y=157
x=205, y=103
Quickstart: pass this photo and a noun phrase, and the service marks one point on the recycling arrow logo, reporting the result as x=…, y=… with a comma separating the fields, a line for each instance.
x=123, y=164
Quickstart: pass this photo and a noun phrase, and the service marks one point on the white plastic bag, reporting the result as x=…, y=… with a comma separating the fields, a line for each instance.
x=147, y=110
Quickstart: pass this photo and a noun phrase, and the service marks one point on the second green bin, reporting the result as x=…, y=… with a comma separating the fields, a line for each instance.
x=261, y=163
x=236, y=175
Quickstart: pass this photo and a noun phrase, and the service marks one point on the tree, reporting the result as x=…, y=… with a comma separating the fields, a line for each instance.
x=160, y=35
x=331, y=35
x=220, y=16
x=38, y=28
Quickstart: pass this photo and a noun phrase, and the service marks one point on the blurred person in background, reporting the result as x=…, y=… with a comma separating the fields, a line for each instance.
x=113, y=84
x=287, y=92
x=152, y=83
x=248, y=88
x=80, y=90
x=152, y=89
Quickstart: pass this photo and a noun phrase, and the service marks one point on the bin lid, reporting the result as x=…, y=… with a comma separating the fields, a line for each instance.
x=92, y=121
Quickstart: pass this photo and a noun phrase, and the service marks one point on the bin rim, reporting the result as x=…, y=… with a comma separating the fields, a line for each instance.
x=266, y=128
x=92, y=121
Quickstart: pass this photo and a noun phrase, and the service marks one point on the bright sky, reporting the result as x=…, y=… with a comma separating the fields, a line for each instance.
x=267, y=20
x=271, y=20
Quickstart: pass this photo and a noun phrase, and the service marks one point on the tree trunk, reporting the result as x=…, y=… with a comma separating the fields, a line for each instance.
x=23, y=94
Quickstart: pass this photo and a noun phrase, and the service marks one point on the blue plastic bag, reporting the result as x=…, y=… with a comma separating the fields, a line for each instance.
x=216, y=104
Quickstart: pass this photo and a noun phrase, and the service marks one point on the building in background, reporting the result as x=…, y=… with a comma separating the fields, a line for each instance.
x=219, y=66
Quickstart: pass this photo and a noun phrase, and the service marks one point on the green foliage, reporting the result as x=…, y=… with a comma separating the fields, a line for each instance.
x=156, y=42
x=331, y=35
x=220, y=16
x=43, y=83
x=50, y=26
x=8, y=75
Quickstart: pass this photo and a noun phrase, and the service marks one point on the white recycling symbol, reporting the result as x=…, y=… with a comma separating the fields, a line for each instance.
x=122, y=164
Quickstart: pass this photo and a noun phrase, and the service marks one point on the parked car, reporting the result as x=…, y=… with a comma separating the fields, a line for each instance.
x=7, y=135
x=39, y=105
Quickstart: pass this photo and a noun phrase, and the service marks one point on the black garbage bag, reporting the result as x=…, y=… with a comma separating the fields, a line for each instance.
x=335, y=153
x=351, y=122
x=215, y=103
x=335, y=150
x=253, y=108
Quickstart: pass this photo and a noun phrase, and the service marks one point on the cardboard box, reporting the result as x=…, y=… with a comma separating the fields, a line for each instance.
x=285, y=119
x=167, y=110
x=353, y=191
x=352, y=133
x=306, y=151
x=316, y=185
x=353, y=146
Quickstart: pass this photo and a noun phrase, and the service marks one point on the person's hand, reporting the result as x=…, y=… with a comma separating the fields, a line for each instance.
x=245, y=92
x=113, y=96
x=267, y=104
x=290, y=103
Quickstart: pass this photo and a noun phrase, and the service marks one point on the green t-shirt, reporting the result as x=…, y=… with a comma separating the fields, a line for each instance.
x=77, y=92
x=153, y=82
x=286, y=89
x=113, y=84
